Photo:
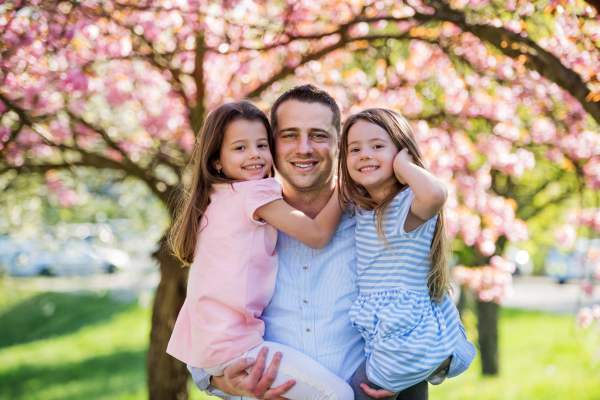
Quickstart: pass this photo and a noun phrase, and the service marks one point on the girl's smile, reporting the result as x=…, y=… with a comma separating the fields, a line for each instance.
x=371, y=154
x=245, y=153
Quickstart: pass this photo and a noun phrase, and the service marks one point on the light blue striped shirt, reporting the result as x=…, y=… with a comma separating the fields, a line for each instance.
x=314, y=291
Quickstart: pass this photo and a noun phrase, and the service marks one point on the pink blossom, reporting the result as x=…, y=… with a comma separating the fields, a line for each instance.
x=4, y=133
x=584, y=317
x=587, y=287
x=76, y=79
x=566, y=235
x=487, y=282
x=543, y=130
x=596, y=311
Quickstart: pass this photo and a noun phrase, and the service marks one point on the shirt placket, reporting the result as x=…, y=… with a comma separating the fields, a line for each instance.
x=306, y=304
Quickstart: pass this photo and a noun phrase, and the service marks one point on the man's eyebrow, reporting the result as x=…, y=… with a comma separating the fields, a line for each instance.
x=289, y=129
x=320, y=130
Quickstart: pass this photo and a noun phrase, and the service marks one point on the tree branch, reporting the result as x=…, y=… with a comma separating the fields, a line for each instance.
x=537, y=58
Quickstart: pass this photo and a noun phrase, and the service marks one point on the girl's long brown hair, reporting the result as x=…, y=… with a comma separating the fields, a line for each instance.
x=401, y=133
x=195, y=197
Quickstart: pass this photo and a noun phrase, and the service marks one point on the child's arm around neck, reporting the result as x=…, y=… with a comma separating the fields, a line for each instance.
x=430, y=192
x=314, y=233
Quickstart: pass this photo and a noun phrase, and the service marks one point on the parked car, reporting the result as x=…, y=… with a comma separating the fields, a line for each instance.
x=573, y=264
x=73, y=257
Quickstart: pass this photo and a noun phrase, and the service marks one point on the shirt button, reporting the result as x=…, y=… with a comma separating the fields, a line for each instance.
x=305, y=267
x=305, y=301
x=307, y=329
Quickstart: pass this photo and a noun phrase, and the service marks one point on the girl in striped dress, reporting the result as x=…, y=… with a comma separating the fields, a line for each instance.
x=401, y=249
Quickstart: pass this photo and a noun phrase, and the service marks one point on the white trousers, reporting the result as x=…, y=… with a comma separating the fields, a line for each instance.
x=313, y=381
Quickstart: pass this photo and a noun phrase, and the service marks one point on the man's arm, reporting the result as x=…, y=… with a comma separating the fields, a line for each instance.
x=237, y=382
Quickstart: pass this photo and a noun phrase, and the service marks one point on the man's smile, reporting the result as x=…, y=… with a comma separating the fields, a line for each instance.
x=304, y=166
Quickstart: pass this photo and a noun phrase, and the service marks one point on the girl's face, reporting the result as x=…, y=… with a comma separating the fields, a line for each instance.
x=371, y=154
x=245, y=153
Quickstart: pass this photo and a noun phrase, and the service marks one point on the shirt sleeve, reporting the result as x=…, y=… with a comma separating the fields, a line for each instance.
x=463, y=355
x=404, y=201
x=406, y=198
x=464, y=352
x=202, y=381
x=259, y=193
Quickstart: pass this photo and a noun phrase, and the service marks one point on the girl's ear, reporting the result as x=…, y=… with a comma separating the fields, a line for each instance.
x=217, y=165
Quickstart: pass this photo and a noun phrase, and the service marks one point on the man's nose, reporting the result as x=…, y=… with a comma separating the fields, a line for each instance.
x=304, y=145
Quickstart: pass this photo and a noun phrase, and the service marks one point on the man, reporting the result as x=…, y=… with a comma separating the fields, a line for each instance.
x=315, y=288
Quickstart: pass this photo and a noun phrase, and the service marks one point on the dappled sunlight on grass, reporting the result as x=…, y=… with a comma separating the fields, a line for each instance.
x=102, y=358
x=542, y=356
x=94, y=347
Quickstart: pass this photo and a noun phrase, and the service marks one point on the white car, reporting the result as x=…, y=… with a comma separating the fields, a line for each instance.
x=572, y=265
x=74, y=257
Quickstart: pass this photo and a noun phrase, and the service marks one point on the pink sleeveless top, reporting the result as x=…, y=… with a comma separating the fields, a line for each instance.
x=232, y=278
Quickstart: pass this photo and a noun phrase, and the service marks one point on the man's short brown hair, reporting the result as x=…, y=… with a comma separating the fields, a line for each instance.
x=308, y=94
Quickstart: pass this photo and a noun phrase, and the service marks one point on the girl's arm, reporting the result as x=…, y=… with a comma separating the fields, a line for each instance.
x=430, y=192
x=315, y=233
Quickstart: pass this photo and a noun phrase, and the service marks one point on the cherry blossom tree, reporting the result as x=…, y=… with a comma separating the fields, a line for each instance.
x=492, y=87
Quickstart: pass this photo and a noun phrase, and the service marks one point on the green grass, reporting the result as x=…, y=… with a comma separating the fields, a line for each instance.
x=542, y=356
x=89, y=347
x=61, y=346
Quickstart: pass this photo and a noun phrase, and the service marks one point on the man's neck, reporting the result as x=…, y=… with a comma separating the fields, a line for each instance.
x=310, y=202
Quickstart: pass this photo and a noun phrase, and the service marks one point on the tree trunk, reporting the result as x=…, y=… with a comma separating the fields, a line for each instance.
x=167, y=376
x=488, y=336
x=462, y=301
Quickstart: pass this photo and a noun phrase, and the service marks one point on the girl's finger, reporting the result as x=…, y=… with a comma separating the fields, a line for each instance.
x=376, y=393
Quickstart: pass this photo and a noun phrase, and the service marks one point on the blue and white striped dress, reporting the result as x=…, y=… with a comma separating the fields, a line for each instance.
x=406, y=334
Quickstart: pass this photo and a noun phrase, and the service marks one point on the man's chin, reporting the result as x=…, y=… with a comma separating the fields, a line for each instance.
x=300, y=182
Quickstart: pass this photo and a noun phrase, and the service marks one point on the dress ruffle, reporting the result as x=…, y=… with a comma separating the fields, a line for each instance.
x=402, y=321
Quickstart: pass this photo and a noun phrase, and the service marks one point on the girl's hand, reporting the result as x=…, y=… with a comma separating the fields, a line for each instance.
x=401, y=158
x=376, y=393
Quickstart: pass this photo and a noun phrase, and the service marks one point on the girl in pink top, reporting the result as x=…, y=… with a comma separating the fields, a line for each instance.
x=226, y=230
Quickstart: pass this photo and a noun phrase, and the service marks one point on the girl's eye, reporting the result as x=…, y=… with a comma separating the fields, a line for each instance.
x=378, y=146
x=240, y=148
x=353, y=150
x=264, y=146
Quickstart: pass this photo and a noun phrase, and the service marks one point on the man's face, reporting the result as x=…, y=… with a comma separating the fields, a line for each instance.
x=306, y=145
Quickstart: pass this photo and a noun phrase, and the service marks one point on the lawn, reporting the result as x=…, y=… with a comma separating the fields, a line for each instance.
x=89, y=346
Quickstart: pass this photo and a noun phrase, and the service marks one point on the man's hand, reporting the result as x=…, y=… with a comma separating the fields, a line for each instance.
x=237, y=382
